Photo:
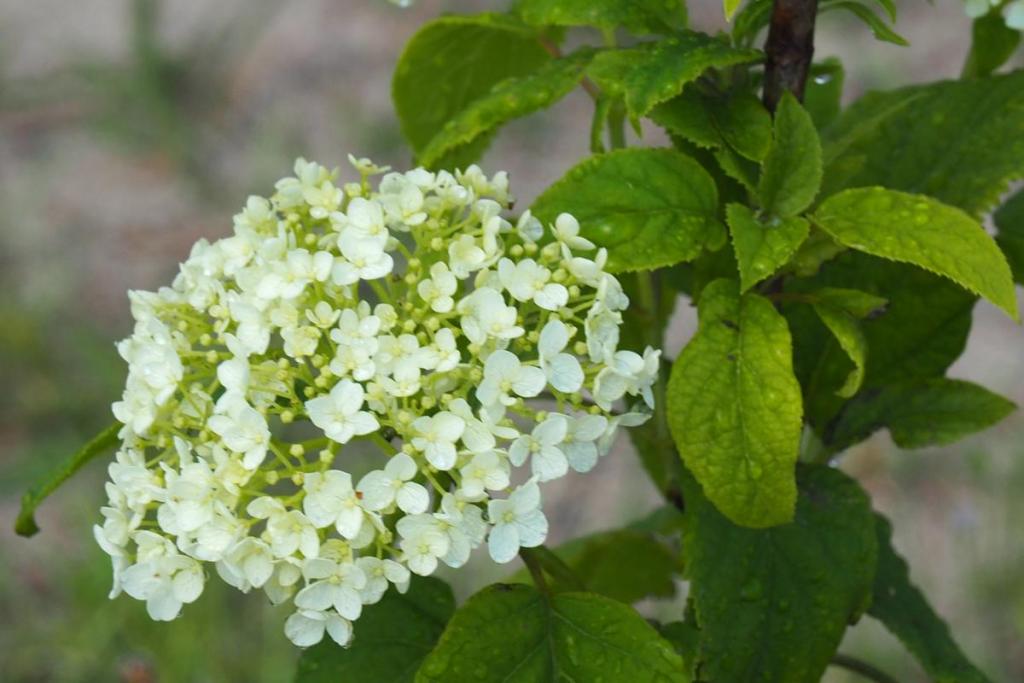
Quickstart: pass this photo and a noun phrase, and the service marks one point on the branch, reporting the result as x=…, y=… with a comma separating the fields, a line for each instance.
x=863, y=668
x=789, y=49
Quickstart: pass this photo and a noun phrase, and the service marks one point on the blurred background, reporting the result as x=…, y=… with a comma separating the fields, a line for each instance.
x=130, y=128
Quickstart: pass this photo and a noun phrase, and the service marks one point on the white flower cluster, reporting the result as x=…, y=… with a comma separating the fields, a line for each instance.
x=1013, y=12
x=265, y=358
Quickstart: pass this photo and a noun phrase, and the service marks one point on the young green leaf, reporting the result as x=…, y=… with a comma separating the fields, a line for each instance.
x=734, y=407
x=773, y=604
x=874, y=22
x=730, y=7
x=964, y=152
x=762, y=248
x=509, y=99
x=921, y=331
x=391, y=641
x=853, y=301
x=25, y=525
x=992, y=43
x=850, y=336
x=1010, y=221
x=922, y=231
x=638, y=16
x=651, y=73
x=649, y=207
x=792, y=170
x=739, y=121
x=921, y=413
x=903, y=609
x=515, y=634
x=450, y=63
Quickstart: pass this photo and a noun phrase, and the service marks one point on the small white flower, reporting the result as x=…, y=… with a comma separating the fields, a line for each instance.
x=332, y=584
x=485, y=314
x=548, y=461
x=379, y=573
x=563, y=370
x=518, y=522
x=339, y=413
x=330, y=499
x=439, y=288
x=423, y=542
x=306, y=627
x=436, y=437
x=567, y=231
x=393, y=485
x=486, y=471
x=527, y=280
x=505, y=374
x=242, y=428
x=287, y=530
x=580, y=445
x=249, y=564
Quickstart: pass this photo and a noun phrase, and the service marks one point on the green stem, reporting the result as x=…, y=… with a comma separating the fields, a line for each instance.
x=863, y=668
x=532, y=562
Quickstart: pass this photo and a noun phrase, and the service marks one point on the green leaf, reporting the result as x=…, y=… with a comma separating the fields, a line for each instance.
x=921, y=331
x=515, y=634
x=1010, y=221
x=874, y=22
x=391, y=640
x=792, y=170
x=450, y=63
x=823, y=93
x=734, y=407
x=638, y=16
x=906, y=613
x=762, y=248
x=651, y=73
x=509, y=99
x=850, y=336
x=25, y=525
x=921, y=413
x=649, y=207
x=922, y=231
x=992, y=43
x=773, y=604
x=958, y=141
x=853, y=301
x=738, y=120
x=730, y=7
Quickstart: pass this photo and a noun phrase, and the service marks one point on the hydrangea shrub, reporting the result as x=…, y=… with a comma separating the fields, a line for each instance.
x=377, y=372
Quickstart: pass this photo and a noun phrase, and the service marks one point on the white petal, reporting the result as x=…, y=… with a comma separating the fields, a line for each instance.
x=318, y=595
x=565, y=373
x=339, y=629
x=503, y=543
x=346, y=602
x=401, y=466
x=530, y=381
x=305, y=628
x=163, y=606
x=533, y=529
x=413, y=498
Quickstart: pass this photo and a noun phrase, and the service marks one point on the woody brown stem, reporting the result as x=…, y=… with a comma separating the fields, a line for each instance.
x=789, y=49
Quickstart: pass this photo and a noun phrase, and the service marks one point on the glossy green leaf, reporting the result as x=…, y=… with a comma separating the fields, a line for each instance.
x=903, y=609
x=391, y=638
x=961, y=142
x=762, y=248
x=921, y=413
x=853, y=301
x=738, y=121
x=773, y=604
x=651, y=73
x=515, y=634
x=452, y=62
x=792, y=170
x=847, y=331
x=922, y=231
x=649, y=207
x=509, y=99
x=877, y=25
x=730, y=7
x=25, y=525
x=638, y=16
x=734, y=407
x=992, y=43
x=1010, y=221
